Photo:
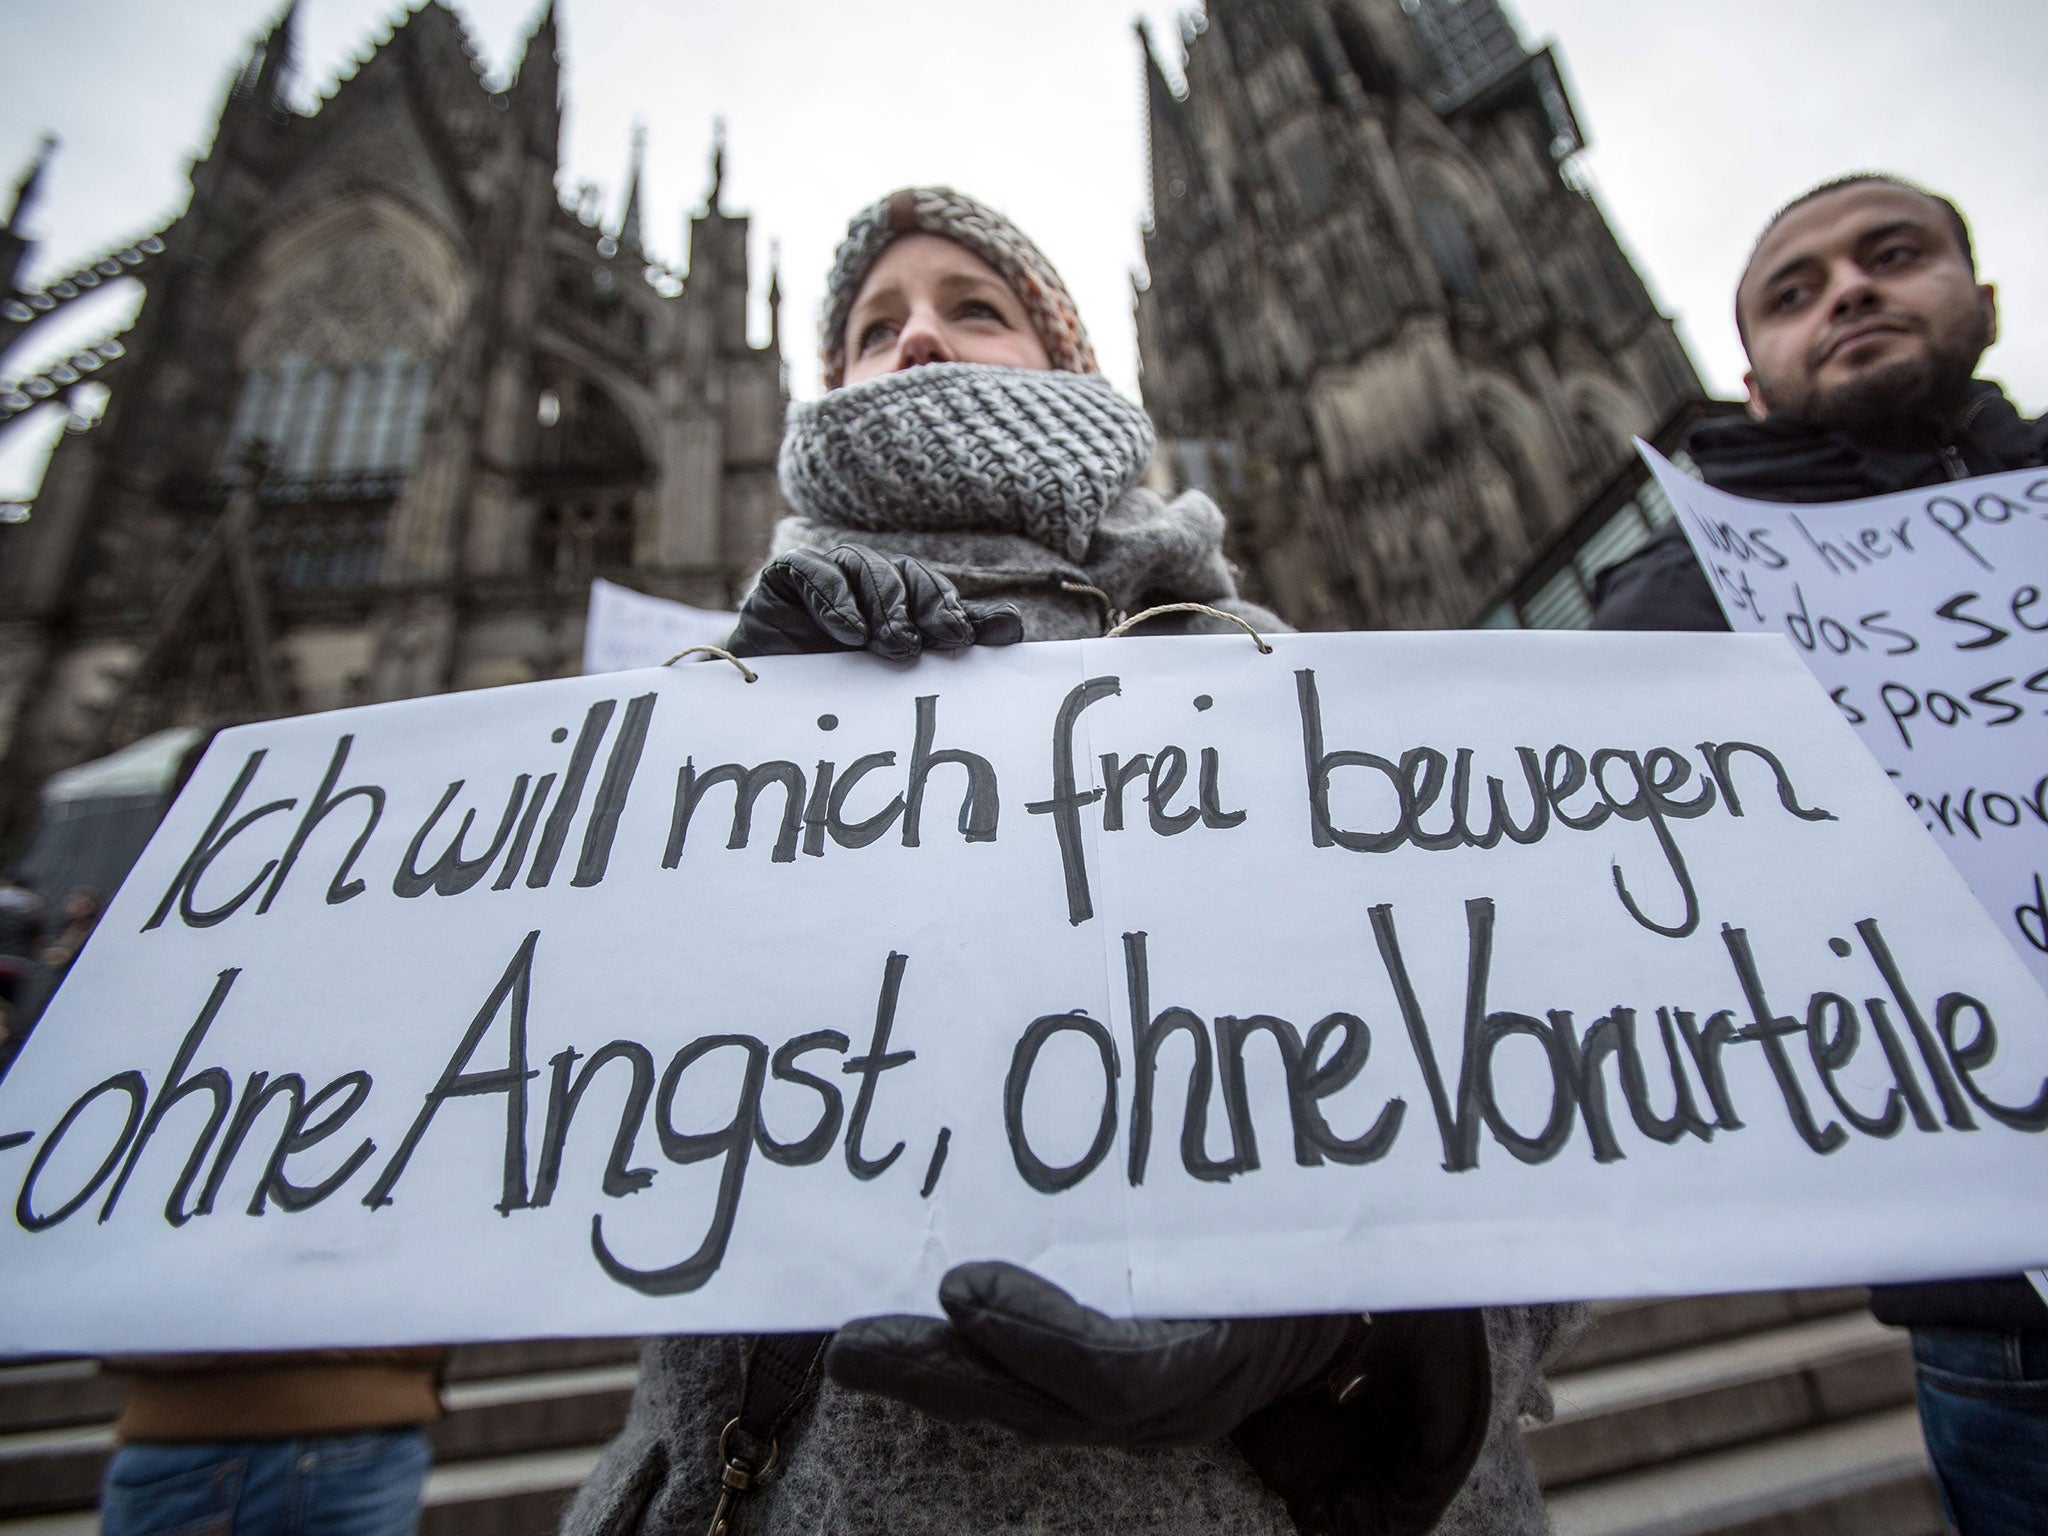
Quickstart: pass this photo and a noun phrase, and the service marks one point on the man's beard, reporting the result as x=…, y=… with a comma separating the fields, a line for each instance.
x=1918, y=392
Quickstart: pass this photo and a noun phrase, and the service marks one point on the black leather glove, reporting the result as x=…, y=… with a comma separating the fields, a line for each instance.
x=852, y=599
x=1020, y=1352
x=1387, y=1452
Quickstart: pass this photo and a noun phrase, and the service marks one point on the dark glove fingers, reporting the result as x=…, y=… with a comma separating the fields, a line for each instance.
x=935, y=607
x=1280, y=1355
x=852, y=598
x=995, y=623
x=884, y=605
x=875, y=596
x=1429, y=1377
x=1155, y=1382
x=1107, y=1369
x=924, y=1363
x=1198, y=1421
x=1234, y=1373
x=802, y=604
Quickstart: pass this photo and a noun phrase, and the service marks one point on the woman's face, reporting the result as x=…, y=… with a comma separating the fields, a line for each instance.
x=930, y=301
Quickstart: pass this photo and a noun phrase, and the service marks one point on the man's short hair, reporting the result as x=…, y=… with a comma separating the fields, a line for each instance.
x=1956, y=223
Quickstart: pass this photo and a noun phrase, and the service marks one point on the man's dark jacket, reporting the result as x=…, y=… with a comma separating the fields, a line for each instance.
x=1662, y=587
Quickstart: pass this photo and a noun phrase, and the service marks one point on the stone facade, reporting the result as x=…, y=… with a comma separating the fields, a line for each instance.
x=1384, y=321
x=387, y=408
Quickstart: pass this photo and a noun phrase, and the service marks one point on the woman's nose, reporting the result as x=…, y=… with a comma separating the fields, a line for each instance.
x=922, y=340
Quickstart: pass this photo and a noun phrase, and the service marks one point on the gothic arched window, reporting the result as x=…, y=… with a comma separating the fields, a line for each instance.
x=348, y=321
x=338, y=369
x=1609, y=418
x=1514, y=433
x=575, y=536
x=585, y=475
x=327, y=419
x=1452, y=249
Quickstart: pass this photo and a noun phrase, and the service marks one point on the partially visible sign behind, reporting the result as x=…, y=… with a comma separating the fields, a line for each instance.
x=1381, y=970
x=1925, y=615
x=625, y=629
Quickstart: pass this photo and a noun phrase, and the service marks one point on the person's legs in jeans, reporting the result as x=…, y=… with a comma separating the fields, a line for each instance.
x=366, y=1484
x=1984, y=1410
x=362, y=1485
x=195, y=1490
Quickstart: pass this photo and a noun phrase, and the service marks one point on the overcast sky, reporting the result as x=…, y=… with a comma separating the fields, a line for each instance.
x=1702, y=119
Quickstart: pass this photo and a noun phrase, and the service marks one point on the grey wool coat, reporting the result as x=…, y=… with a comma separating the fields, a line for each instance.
x=865, y=1466
x=858, y=1465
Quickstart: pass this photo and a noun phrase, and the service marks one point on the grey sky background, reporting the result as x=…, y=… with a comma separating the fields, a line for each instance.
x=1702, y=119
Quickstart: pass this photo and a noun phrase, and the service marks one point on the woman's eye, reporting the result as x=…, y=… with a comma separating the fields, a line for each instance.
x=876, y=335
x=979, y=309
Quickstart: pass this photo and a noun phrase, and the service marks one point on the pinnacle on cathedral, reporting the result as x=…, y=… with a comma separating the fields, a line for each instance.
x=629, y=221
x=14, y=242
x=536, y=89
x=29, y=187
x=276, y=61
x=1384, y=321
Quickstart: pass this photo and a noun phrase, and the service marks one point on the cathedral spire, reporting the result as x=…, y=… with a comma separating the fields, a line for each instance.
x=546, y=36
x=717, y=166
x=260, y=96
x=775, y=296
x=31, y=183
x=275, y=74
x=1172, y=159
x=14, y=245
x=629, y=221
x=536, y=89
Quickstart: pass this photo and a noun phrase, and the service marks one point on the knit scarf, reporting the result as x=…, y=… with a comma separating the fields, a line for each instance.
x=1017, y=484
x=957, y=446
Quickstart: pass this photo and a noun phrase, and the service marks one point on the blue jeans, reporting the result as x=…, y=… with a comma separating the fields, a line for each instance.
x=365, y=1484
x=1984, y=1409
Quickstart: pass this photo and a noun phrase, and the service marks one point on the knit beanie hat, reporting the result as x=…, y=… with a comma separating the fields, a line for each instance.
x=956, y=217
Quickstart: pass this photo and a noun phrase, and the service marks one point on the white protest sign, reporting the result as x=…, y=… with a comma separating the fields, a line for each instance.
x=626, y=630
x=1377, y=971
x=1925, y=616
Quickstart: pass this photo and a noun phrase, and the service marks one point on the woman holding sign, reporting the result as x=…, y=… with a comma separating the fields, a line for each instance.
x=970, y=478
x=989, y=499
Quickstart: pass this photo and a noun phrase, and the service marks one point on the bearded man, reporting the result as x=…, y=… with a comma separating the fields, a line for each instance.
x=1863, y=319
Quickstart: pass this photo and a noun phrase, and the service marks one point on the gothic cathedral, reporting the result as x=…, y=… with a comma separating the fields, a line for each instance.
x=1383, y=322
x=386, y=410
